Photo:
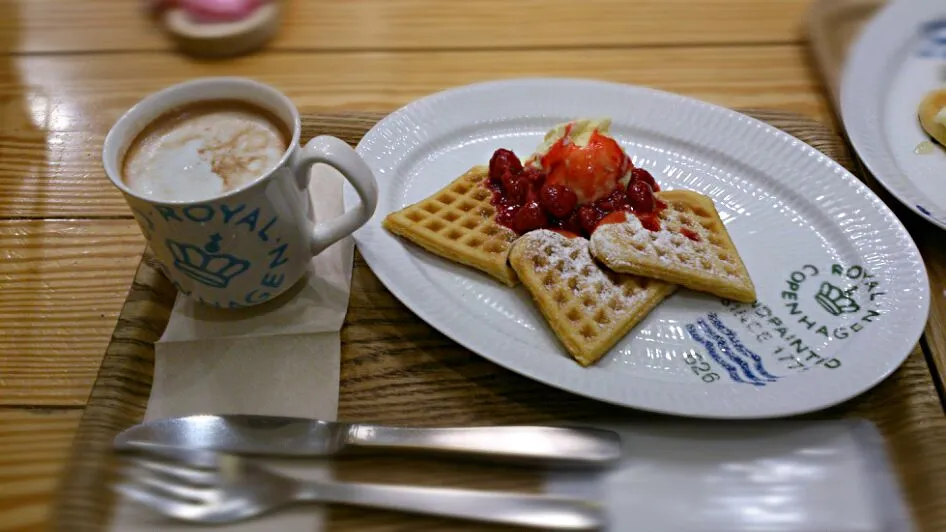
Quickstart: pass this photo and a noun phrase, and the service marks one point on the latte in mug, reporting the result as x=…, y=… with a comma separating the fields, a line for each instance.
x=219, y=184
x=203, y=150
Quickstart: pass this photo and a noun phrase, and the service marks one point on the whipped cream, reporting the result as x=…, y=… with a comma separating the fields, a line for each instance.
x=940, y=117
x=579, y=134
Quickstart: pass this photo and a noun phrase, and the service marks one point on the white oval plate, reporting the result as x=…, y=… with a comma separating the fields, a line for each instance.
x=792, y=212
x=899, y=56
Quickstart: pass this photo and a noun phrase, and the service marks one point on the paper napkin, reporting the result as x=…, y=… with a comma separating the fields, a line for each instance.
x=776, y=476
x=279, y=358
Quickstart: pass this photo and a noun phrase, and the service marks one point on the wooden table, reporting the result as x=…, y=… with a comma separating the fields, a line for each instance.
x=69, y=68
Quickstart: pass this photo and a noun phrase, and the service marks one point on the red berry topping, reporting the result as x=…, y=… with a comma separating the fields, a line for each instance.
x=504, y=161
x=641, y=197
x=530, y=217
x=615, y=201
x=649, y=221
x=689, y=233
x=615, y=217
x=515, y=188
x=532, y=176
x=565, y=233
x=639, y=174
x=572, y=223
x=506, y=213
x=589, y=218
x=558, y=200
x=527, y=198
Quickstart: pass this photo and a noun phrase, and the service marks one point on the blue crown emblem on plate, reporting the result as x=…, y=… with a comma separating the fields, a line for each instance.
x=832, y=299
x=207, y=266
x=933, y=39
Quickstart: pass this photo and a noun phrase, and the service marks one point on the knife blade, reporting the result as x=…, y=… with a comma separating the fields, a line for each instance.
x=301, y=437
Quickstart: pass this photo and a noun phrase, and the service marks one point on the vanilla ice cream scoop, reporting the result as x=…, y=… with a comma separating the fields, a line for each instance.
x=582, y=156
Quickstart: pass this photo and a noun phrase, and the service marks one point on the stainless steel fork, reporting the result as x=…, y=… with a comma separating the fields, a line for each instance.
x=207, y=487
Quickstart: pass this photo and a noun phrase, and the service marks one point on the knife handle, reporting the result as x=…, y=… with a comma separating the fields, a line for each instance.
x=546, y=445
x=523, y=510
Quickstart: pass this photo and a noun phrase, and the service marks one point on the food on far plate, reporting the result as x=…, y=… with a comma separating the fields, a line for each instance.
x=459, y=223
x=683, y=242
x=589, y=307
x=932, y=115
x=539, y=214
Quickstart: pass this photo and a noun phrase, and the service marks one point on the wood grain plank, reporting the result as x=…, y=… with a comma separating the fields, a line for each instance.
x=54, y=175
x=832, y=26
x=930, y=241
x=100, y=25
x=62, y=284
x=34, y=445
x=55, y=113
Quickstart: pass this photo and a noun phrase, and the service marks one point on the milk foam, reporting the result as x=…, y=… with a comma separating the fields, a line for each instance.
x=203, y=151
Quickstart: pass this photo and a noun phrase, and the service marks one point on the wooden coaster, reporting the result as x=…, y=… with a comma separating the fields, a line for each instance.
x=223, y=39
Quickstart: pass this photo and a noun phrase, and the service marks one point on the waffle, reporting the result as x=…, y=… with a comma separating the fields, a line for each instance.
x=710, y=264
x=589, y=307
x=458, y=223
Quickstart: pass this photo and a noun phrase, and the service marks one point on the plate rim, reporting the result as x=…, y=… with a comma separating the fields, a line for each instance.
x=866, y=55
x=853, y=184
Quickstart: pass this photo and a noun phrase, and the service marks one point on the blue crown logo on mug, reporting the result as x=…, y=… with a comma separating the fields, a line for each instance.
x=215, y=175
x=207, y=265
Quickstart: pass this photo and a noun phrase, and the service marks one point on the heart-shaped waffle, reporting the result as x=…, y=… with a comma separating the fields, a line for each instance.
x=459, y=223
x=691, y=249
x=589, y=307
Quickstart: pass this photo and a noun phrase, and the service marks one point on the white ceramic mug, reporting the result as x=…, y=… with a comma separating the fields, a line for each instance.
x=250, y=244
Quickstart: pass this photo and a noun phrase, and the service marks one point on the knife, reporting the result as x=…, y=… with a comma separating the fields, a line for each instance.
x=299, y=437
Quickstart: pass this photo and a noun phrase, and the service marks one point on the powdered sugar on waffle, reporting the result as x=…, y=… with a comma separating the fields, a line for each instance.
x=588, y=306
x=614, y=243
x=581, y=274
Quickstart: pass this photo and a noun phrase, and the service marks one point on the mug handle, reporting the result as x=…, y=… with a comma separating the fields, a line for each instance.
x=339, y=155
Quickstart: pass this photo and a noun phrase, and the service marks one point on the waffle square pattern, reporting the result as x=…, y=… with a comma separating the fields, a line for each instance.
x=706, y=260
x=588, y=307
x=458, y=223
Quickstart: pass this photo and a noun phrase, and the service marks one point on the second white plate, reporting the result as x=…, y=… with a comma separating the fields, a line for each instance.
x=899, y=57
x=843, y=294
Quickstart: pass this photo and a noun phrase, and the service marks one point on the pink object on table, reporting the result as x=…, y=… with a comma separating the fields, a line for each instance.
x=210, y=11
